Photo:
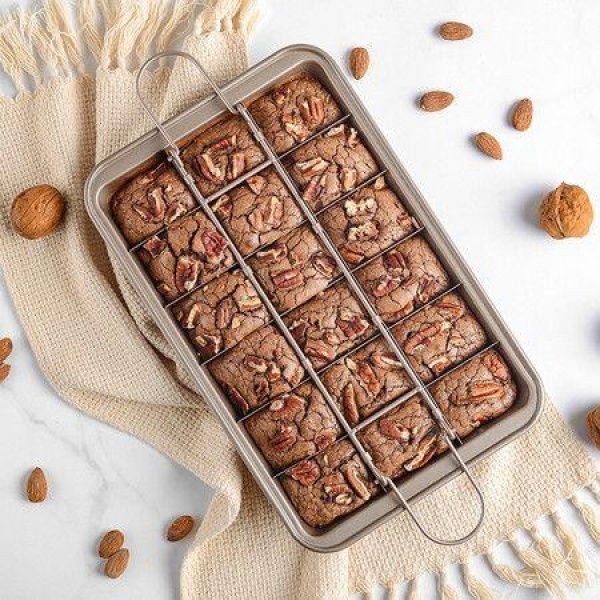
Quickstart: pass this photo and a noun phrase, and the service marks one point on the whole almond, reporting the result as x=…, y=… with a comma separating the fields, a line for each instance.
x=37, y=486
x=359, y=62
x=453, y=31
x=489, y=145
x=436, y=100
x=180, y=528
x=522, y=115
x=6, y=347
x=110, y=543
x=4, y=371
x=115, y=566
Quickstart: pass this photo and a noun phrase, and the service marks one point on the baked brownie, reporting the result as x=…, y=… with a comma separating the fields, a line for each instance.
x=443, y=334
x=403, y=279
x=367, y=222
x=293, y=426
x=331, y=165
x=150, y=201
x=260, y=367
x=189, y=253
x=221, y=154
x=294, y=111
x=221, y=313
x=334, y=483
x=330, y=324
x=258, y=211
x=294, y=269
x=476, y=392
x=402, y=440
x=366, y=380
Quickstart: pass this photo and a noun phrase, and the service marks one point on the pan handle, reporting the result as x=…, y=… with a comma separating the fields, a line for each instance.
x=481, y=501
x=172, y=147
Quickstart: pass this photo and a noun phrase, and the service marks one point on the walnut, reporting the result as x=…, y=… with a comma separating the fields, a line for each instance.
x=37, y=212
x=566, y=212
x=593, y=423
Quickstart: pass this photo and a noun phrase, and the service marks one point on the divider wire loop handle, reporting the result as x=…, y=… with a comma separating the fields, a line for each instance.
x=172, y=147
x=433, y=538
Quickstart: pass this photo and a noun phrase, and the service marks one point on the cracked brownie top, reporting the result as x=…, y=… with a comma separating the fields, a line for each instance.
x=260, y=367
x=189, y=253
x=258, y=211
x=294, y=269
x=221, y=154
x=330, y=324
x=334, y=483
x=403, y=279
x=367, y=222
x=292, y=112
x=366, y=380
x=476, y=392
x=221, y=313
x=293, y=426
x=402, y=440
x=443, y=334
x=150, y=201
x=331, y=165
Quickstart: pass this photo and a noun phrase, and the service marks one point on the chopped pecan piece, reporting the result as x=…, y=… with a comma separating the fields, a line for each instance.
x=363, y=232
x=425, y=336
x=284, y=439
x=425, y=451
x=273, y=372
x=496, y=366
x=395, y=262
x=224, y=313
x=155, y=246
x=335, y=131
x=354, y=208
x=288, y=279
x=187, y=271
x=353, y=326
x=214, y=244
x=294, y=125
x=189, y=321
x=481, y=392
x=312, y=190
x=298, y=330
x=386, y=285
x=208, y=168
x=324, y=264
x=256, y=183
x=237, y=165
x=255, y=363
x=151, y=208
x=226, y=143
x=351, y=256
x=249, y=303
x=387, y=360
x=324, y=439
x=313, y=166
x=305, y=472
x=223, y=207
x=452, y=309
x=367, y=377
x=349, y=178
x=275, y=253
x=357, y=484
x=318, y=349
x=174, y=212
x=236, y=398
x=393, y=430
x=211, y=344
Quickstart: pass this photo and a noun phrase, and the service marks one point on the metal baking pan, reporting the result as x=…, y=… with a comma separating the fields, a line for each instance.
x=163, y=143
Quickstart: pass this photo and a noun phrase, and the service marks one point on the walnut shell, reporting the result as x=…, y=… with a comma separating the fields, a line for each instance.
x=37, y=211
x=566, y=212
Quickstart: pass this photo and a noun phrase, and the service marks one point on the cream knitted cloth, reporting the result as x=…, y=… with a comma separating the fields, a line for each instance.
x=97, y=346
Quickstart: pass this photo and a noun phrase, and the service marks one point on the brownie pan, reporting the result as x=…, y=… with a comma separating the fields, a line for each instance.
x=391, y=497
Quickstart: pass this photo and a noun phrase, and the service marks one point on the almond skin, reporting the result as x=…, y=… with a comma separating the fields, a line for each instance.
x=6, y=347
x=4, y=371
x=522, y=115
x=180, y=528
x=436, y=100
x=111, y=542
x=453, y=31
x=359, y=62
x=115, y=566
x=37, y=486
x=489, y=145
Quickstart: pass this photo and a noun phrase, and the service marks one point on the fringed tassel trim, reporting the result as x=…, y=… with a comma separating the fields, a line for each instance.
x=228, y=15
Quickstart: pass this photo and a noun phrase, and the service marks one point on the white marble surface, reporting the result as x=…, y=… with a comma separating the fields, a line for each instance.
x=548, y=291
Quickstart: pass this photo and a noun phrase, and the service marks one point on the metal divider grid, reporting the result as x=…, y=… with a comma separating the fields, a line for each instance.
x=386, y=482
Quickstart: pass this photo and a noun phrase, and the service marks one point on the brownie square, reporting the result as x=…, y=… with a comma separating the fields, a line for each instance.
x=366, y=381
x=221, y=313
x=150, y=201
x=189, y=253
x=260, y=367
x=476, y=392
x=331, y=165
x=294, y=426
x=403, y=279
x=294, y=111
x=330, y=324
x=221, y=154
x=294, y=269
x=334, y=483
x=367, y=222
x=258, y=211
x=402, y=440
x=440, y=336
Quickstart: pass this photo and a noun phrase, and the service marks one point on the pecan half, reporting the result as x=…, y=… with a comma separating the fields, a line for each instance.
x=256, y=183
x=285, y=438
x=312, y=166
x=214, y=244
x=452, y=309
x=357, y=484
x=396, y=263
x=273, y=211
x=425, y=451
x=288, y=279
x=255, y=363
x=275, y=253
x=207, y=168
x=237, y=165
x=155, y=246
x=306, y=472
x=368, y=378
x=496, y=366
x=224, y=313
x=312, y=190
x=393, y=430
x=318, y=349
x=237, y=398
x=349, y=178
x=351, y=256
x=482, y=392
x=187, y=271
x=386, y=360
x=288, y=405
x=349, y=404
x=151, y=208
x=312, y=110
x=324, y=264
x=423, y=337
